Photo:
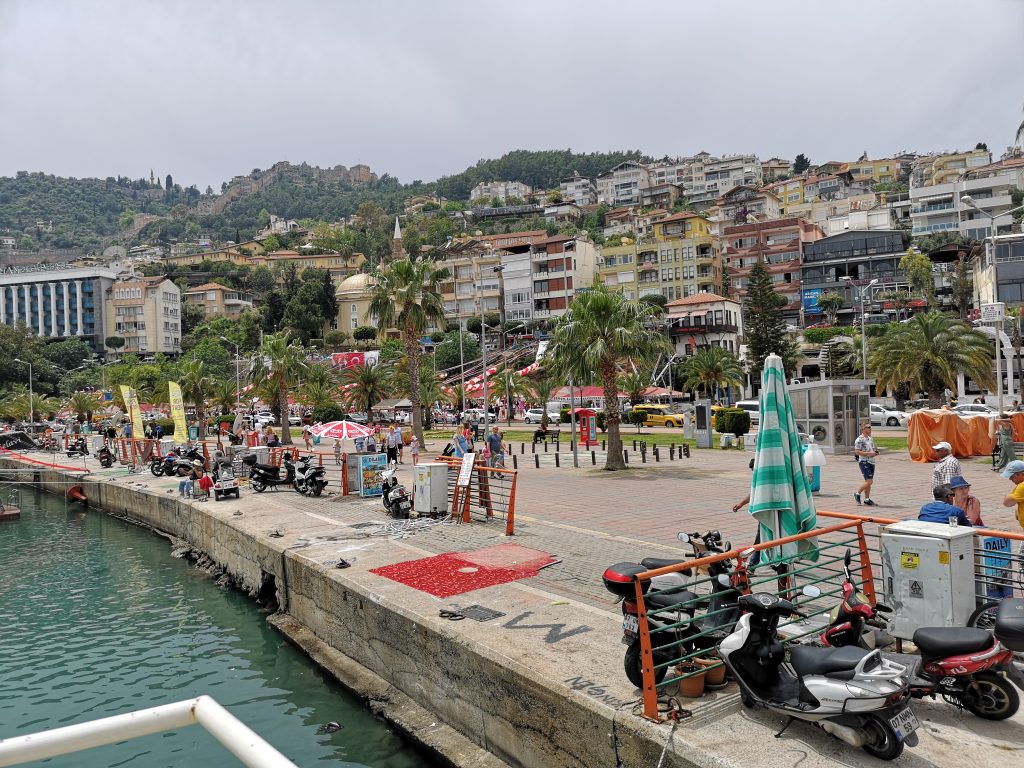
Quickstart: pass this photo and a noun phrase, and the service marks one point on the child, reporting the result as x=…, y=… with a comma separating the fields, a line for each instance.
x=414, y=449
x=337, y=452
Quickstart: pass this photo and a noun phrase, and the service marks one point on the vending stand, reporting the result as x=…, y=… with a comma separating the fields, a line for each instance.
x=586, y=418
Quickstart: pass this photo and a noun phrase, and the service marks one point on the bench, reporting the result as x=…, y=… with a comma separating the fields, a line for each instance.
x=552, y=435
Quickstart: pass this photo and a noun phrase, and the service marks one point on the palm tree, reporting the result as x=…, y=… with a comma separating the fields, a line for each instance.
x=507, y=386
x=845, y=354
x=711, y=368
x=405, y=296
x=928, y=353
x=542, y=386
x=605, y=333
x=634, y=384
x=279, y=364
x=83, y=404
x=224, y=395
x=196, y=387
x=369, y=382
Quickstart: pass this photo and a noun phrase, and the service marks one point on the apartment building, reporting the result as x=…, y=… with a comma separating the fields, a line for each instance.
x=999, y=273
x=503, y=190
x=705, y=320
x=708, y=178
x=789, y=192
x=940, y=207
x=218, y=300
x=339, y=266
x=943, y=168
x=683, y=260
x=146, y=313
x=578, y=189
x=779, y=244
x=623, y=184
x=539, y=278
x=886, y=170
x=855, y=258
x=743, y=203
x=58, y=301
x=670, y=171
x=237, y=255
x=775, y=167
x=875, y=218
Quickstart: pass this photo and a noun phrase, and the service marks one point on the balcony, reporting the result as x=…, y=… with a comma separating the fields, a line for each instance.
x=648, y=267
x=539, y=256
x=933, y=207
x=541, y=313
x=541, y=294
x=694, y=329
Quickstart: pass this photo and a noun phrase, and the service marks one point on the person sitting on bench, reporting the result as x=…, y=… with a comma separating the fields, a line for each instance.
x=540, y=434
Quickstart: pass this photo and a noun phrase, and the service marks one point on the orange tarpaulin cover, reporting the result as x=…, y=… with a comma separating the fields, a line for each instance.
x=969, y=436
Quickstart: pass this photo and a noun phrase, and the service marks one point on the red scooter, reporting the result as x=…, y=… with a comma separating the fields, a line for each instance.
x=969, y=667
x=851, y=619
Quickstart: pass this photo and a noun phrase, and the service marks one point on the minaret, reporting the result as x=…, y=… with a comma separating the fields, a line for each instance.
x=397, y=251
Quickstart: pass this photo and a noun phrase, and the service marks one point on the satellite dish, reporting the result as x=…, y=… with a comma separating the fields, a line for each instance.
x=115, y=253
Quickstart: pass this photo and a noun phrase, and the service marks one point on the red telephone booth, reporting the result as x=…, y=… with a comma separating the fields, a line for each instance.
x=586, y=421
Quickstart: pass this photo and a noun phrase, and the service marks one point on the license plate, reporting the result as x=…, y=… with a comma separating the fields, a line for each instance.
x=905, y=723
x=630, y=624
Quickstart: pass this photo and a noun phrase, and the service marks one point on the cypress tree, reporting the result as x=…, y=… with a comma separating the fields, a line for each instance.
x=764, y=329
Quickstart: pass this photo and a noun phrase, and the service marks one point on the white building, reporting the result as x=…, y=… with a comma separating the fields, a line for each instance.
x=705, y=320
x=146, y=313
x=503, y=190
x=882, y=217
x=623, y=184
x=578, y=189
x=57, y=302
x=708, y=178
x=940, y=207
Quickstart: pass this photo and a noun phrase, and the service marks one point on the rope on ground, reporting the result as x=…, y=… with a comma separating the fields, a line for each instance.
x=410, y=525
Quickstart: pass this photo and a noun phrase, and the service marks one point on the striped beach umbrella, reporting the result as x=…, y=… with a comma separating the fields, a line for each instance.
x=780, y=494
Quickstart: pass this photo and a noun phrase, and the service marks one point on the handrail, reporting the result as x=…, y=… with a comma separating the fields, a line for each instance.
x=231, y=732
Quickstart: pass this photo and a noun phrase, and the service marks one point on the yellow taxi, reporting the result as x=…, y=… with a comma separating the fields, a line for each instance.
x=659, y=415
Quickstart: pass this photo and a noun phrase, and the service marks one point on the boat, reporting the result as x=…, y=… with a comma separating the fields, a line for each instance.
x=9, y=511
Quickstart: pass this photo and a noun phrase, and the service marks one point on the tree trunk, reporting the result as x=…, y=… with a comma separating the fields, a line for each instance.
x=412, y=355
x=282, y=413
x=613, y=460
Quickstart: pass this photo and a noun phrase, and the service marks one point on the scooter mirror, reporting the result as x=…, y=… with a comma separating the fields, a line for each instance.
x=724, y=580
x=848, y=558
x=811, y=591
x=683, y=537
x=746, y=553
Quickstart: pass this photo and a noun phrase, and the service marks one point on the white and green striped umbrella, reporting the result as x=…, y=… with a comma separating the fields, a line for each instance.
x=780, y=494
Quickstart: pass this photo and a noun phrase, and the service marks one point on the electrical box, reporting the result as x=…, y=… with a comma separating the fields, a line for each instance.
x=927, y=575
x=705, y=423
x=430, y=489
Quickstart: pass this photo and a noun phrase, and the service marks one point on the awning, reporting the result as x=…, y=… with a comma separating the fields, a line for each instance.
x=699, y=313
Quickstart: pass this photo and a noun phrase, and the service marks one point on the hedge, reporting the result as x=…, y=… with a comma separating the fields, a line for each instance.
x=823, y=335
x=734, y=421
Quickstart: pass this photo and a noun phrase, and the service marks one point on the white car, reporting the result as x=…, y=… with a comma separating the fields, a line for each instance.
x=976, y=409
x=881, y=415
x=534, y=415
x=294, y=421
x=263, y=418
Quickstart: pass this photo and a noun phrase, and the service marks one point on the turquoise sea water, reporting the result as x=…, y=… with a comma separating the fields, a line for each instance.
x=97, y=618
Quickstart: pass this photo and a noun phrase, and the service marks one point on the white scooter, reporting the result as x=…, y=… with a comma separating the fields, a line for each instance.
x=852, y=693
x=396, y=499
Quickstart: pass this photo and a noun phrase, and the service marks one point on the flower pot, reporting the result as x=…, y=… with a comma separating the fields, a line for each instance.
x=714, y=671
x=691, y=687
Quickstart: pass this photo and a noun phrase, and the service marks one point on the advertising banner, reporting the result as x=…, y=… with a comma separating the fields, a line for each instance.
x=131, y=403
x=810, y=301
x=177, y=410
x=370, y=467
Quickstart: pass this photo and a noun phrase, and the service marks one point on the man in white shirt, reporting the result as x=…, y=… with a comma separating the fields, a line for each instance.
x=948, y=466
x=864, y=449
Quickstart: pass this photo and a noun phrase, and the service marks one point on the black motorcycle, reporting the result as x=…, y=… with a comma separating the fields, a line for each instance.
x=263, y=476
x=105, y=456
x=309, y=480
x=78, y=447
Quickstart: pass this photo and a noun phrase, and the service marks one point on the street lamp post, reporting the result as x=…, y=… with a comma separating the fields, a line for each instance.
x=572, y=389
x=990, y=248
x=31, y=395
x=863, y=335
x=483, y=345
x=238, y=385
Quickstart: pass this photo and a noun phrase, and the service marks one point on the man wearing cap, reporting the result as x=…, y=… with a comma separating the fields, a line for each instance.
x=948, y=466
x=941, y=510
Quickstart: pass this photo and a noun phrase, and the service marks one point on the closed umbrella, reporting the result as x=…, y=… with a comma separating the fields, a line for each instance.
x=340, y=430
x=780, y=494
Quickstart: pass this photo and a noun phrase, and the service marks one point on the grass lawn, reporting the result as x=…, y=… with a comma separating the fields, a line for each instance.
x=892, y=443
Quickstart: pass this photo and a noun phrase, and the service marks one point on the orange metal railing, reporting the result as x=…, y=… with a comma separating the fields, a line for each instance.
x=493, y=488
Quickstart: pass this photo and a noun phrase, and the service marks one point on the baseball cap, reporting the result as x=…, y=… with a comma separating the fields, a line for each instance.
x=1013, y=468
x=943, y=446
x=959, y=482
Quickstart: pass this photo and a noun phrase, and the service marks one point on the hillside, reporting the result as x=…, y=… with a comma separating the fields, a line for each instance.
x=92, y=213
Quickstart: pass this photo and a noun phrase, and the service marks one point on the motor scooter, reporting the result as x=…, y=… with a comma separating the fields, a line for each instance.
x=78, y=447
x=105, y=456
x=853, y=694
x=309, y=480
x=969, y=667
x=397, y=501
x=263, y=476
x=675, y=628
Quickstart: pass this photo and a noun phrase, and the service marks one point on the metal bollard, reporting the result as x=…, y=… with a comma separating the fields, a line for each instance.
x=634, y=445
x=545, y=446
x=593, y=458
x=686, y=450
x=536, y=460
x=643, y=457
x=557, y=462
x=522, y=448
x=533, y=448
x=657, y=456
x=515, y=461
x=602, y=445
x=671, y=452
x=625, y=455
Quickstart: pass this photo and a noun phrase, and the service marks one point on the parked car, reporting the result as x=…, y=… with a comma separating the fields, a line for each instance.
x=658, y=415
x=753, y=407
x=265, y=418
x=534, y=415
x=359, y=417
x=294, y=421
x=977, y=409
x=881, y=415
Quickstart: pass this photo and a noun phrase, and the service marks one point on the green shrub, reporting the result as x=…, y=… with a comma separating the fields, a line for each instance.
x=601, y=424
x=822, y=335
x=734, y=421
x=564, y=416
x=876, y=331
x=638, y=418
x=327, y=412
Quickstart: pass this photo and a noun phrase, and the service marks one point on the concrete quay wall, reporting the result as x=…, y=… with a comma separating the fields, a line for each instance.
x=456, y=697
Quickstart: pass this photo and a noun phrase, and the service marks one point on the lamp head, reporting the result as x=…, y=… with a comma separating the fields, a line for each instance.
x=968, y=201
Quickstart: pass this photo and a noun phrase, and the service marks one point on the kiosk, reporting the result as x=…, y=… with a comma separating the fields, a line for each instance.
x=586, y=418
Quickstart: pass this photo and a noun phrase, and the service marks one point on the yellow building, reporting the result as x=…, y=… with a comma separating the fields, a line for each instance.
x=790, y=193
x=941, y=169
x=339, y=266
x=884, y=170
x=684, y=259
x=353, y=296
x=234, y=254
x=218, y=300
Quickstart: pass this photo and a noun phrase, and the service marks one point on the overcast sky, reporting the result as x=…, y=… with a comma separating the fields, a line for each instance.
x=206, y=90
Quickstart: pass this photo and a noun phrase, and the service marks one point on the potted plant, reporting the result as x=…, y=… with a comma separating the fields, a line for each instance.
x=692, y=683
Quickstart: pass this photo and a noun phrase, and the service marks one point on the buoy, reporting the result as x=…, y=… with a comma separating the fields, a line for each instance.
x=75, y=493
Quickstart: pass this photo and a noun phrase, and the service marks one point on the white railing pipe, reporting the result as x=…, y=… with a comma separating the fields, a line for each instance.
x=231, y=732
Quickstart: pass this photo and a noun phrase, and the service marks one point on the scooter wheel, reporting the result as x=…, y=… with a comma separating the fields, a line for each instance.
x=984, y=616
x=156, y=469
x=991, y=696
x=746, y=699
x=634, y=667
x=236, y=493
x=882, y=740
x=317, y=490
x=258, y=486
x=106, y=463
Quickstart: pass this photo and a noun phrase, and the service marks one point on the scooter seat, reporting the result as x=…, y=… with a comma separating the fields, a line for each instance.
x=650, y=563
x=271, y=468
x=933, y=642
x=665, y=599
x=831, y=662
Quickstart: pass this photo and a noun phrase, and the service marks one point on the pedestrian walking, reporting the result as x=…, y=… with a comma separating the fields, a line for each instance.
x=414, y=449
x=307, y=437
x=337, y=452
x=865, y=451
x=1014, y=472
x=392, y=444
x=948, y=466
x=399, y=441
x=495, y=448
